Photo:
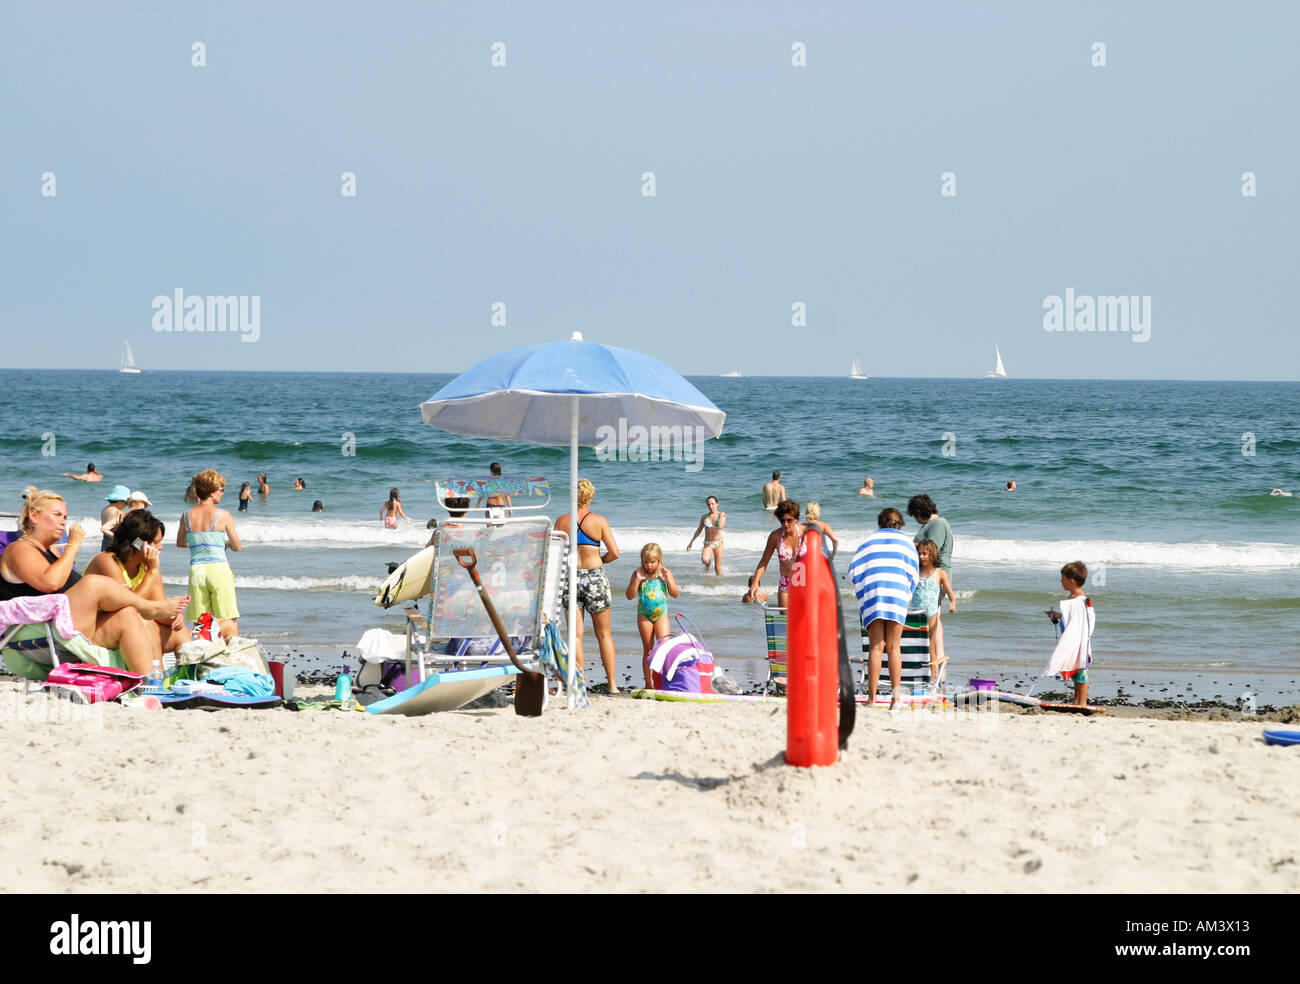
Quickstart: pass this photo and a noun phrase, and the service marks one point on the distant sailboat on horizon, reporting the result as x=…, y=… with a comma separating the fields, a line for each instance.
x=855, y=371
x=734, y=374
x=128, y=359
x=999, y=371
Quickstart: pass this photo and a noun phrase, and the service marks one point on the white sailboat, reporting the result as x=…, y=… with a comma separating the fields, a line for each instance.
x=855, y=371
x=128, y=359
x=734, y=374
x=999, y=371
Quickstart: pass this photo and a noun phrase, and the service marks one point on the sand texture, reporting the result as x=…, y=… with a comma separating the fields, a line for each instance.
x=638, y=796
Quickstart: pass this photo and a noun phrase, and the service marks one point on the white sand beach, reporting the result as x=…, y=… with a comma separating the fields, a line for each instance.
x=638, y=796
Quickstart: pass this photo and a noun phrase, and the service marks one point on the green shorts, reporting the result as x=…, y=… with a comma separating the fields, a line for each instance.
x=212, y=589
x=1077, y=676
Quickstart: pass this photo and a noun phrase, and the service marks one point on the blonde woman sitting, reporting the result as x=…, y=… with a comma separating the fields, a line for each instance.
x=103, y=609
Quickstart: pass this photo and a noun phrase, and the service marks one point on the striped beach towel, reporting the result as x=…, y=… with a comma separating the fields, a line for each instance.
x=884, y=573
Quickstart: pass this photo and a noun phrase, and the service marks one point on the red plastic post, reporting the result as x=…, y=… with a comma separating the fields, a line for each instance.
x=812, y=653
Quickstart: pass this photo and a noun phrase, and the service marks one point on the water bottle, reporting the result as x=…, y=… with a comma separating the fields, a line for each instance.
x=155, y=678
x=343, y=688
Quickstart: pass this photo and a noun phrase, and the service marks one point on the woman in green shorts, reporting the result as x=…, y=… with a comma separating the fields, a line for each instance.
x=208, y=530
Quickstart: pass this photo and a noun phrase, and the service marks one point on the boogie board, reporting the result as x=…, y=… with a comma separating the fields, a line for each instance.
x=409, y=581
x=445, y=691
x=980, y=696
x=211, y=701
x=692, y=698
x=1073, y=708
x=907, y=700
x=1282, y=737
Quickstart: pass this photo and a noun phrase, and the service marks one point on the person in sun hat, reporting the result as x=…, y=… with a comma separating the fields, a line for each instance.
x=116, y=499
x=138, y=500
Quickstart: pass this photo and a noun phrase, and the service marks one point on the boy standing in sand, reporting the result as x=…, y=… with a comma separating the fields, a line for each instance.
x=1073, y=653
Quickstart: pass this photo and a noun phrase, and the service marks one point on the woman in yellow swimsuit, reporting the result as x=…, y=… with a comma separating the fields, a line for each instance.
x=133, y=557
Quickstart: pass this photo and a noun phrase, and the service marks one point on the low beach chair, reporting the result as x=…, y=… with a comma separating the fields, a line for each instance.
x=915, y=652
x=774, y=622
x=37, y=634
x=526, y=494
x=452, y=649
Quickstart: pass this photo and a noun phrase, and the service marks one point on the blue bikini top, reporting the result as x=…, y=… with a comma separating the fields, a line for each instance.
x=583, y=539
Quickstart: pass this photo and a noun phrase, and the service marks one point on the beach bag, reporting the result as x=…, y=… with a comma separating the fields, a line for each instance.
x=92, y=683
x=682, y=663
x=197, y=659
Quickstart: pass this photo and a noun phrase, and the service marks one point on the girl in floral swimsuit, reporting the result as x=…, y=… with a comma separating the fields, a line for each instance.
x=788, y=545
x=652, y=585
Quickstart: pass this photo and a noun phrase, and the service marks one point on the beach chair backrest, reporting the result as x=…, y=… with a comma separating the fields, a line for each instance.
x=511, y=563
x=557, y=541
x=525, y=493
x=915, y=651
x=774, y=621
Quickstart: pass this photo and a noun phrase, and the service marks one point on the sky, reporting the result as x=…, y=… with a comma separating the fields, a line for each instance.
x=798, y=216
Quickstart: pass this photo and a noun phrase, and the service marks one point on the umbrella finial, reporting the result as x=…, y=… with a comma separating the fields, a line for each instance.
x=576, y=337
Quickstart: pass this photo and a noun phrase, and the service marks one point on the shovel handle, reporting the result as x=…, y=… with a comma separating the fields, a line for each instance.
x=467, y=559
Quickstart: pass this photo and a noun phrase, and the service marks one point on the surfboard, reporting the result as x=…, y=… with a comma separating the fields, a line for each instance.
x=1073, y=708
x=1282, y=737
x=411, y=580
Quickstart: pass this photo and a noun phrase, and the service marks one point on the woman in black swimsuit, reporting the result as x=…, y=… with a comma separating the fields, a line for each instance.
x=103, y=610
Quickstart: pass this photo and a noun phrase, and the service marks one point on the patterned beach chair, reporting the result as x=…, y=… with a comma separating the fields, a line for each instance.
x=774, y=622
x=526, y=494
x=915, y=652
x=453, y=652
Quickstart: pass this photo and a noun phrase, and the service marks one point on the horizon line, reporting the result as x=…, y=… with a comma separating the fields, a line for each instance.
x=697, y=375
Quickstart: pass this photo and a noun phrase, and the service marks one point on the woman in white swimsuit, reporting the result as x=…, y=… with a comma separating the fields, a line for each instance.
x=712, y=524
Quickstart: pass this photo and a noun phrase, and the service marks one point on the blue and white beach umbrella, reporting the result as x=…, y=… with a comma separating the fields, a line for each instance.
x=570, y=393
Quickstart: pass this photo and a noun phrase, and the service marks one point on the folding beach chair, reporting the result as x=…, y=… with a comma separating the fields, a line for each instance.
x=452, y=648
x=36, y=635
x=774, y=621
x=526, y=494
x=915, y=653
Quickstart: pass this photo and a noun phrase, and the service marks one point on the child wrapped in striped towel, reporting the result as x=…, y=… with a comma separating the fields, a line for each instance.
x=884, y=572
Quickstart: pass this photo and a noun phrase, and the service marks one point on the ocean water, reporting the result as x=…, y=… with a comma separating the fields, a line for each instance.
x=1162, y=488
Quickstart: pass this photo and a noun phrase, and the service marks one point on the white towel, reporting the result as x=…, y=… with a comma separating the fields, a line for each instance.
x=377, y=645
x=1075, y=645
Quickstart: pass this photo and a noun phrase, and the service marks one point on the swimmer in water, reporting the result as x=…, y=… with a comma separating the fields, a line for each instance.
x=90, y=475
x=392, y=509
x=773, y=492
x=1280, y=492
x=711, y=525
x=1011, y=487
x=868, y=487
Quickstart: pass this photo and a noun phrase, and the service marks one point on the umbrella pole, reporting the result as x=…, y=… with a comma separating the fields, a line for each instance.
x=573, y=551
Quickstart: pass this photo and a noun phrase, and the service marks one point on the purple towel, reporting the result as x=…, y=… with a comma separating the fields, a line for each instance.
x=34, y=610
